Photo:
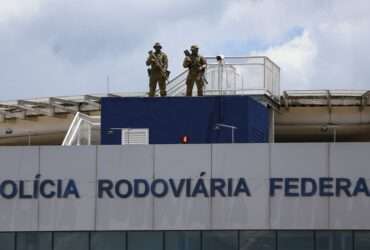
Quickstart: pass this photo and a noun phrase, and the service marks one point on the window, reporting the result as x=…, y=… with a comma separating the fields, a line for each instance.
x=145, y=240
x=188, y=240
x=333, y=240
x=362, y=240
x=7, y=241
x=293, y=240
x=108, y=241
x=34, y=241
x=257, y=240
x=182, y=240
x=220, y=240
x=135, y=136
x=71, y=241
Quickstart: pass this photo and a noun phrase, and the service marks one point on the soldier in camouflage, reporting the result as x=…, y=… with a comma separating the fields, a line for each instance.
x=158, y=72
x=197, y=65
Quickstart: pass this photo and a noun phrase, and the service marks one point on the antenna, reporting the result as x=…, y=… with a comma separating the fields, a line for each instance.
x=108, y=82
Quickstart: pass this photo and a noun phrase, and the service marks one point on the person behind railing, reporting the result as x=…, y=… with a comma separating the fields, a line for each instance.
x=197, y=65
x=157, y=72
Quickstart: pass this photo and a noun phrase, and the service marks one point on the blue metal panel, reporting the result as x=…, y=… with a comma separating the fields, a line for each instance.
x=170, y=118
x=258, y=122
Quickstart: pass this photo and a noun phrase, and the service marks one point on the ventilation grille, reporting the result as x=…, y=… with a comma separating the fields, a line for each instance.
x=135, y=136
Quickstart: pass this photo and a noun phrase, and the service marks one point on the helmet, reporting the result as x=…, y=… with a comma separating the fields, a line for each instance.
x=194, y=47
x=157, y=45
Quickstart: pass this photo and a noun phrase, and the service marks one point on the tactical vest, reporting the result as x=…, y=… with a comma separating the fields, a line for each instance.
x=160, y=58
x=196, y=63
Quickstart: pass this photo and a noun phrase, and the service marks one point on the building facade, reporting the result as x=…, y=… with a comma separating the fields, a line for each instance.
x=262, y=170
x=211, y=196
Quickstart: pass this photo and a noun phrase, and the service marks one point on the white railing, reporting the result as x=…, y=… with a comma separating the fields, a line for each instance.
x=84, y=130
x=233, y=76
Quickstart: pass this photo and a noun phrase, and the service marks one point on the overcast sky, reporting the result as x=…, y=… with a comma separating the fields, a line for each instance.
x=68, y=47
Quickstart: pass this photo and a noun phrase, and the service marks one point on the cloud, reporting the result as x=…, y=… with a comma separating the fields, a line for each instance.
x=70, y=47
x=296, y=60
x=17, y=8
x=330, y=53
x=52, y=47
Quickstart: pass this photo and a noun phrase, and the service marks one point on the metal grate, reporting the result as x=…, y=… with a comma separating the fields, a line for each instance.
x=135, y=136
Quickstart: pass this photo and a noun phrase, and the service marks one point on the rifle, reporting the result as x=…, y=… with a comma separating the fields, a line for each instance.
x=187, y=53
x=204, y=77
x=164, y=73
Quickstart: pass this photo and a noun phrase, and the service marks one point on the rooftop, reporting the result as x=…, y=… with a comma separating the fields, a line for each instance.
x=299, y=114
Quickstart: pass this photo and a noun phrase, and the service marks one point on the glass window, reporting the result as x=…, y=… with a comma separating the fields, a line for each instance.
x=362, y=240
x=145, y=240
x=293, y=240
x=108, y=241
x=220, y=240
x=71, y=241
x=257, y=240
x=182, y=240
x=333, y=240
x=7, y=241
x=34, y=241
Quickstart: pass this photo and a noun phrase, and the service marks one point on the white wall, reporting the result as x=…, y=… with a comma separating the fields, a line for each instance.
x=256, y=162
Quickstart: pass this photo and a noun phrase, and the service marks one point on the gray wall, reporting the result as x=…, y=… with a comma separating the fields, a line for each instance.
x=256, y=162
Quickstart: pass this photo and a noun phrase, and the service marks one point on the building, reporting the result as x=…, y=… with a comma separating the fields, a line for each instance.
x=305, y=185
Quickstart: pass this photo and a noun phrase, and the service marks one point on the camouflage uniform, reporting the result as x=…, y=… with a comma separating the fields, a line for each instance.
x=196, y=65
x=157, y=72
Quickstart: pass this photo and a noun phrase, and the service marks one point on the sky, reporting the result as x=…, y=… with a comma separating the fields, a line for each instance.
x=70, y=47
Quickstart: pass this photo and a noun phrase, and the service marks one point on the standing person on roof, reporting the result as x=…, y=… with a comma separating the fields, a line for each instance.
x=157, y=72
x=197, y=65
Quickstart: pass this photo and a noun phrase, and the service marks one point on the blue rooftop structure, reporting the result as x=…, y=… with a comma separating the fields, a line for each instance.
x=209, y=119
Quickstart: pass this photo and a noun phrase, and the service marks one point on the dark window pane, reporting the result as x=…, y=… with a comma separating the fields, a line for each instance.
x=183, y=240
x=34, y=241
x=7, y=241
x=71, y=241
x=334, y=240
x=220, y=240
x=108, y=241
x=294, y=240
x=145, y=241
x=362, y=240
x=257, y=240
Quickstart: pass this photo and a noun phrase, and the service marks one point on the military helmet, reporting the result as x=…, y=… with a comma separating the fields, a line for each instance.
x=157, y=45
x=194, y=47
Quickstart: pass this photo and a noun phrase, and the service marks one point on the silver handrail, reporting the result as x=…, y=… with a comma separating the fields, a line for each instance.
x=74, y=128
x=233, y=75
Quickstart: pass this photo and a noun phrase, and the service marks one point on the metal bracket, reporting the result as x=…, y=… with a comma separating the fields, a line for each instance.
x=364, y=100
x=328, y=96
x=286, y=100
